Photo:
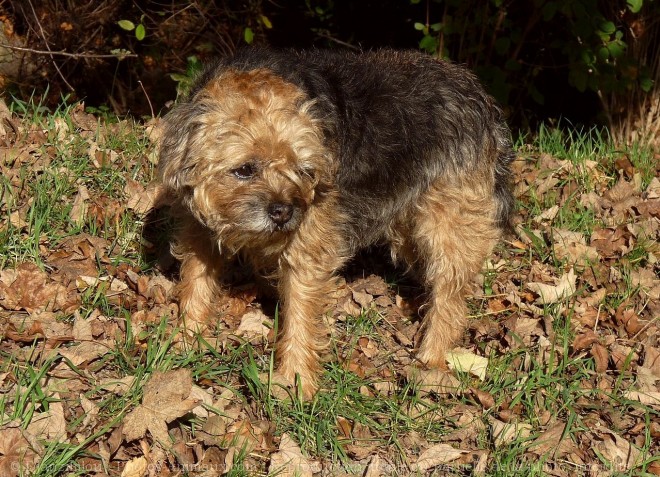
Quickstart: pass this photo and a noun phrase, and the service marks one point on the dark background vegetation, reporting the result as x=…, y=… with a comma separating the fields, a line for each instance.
x=583, y=61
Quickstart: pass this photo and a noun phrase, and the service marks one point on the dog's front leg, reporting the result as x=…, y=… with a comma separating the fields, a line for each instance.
x=201, y=266
x=307, y=278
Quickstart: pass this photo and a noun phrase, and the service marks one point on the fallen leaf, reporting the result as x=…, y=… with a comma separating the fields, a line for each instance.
x=166, y=397
x=203, y=397
x=467, y=362
x=620, y=453
x=601, y=357
x=433, y=380
x=564, y=288
x=547, y=215
x=31, y=289
x=49, y=425
x=289, y=461
x=649, y=398
x=572, y=247
x=241, y=437
x=136, y=467
x=368, y=347
x=16, y=456
x=139, y=198
x=362, y=298
x=213, y=431
x=79, y=209
x=90, y=409
x=375, y=467
x=585, y=340
x=507, y=432
x=436, y=455
x=551, y=442
x=89, y=348
x=252, y=325
x=485, y=398
x=652, y=360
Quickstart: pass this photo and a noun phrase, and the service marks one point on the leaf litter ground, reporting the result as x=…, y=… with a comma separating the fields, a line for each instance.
x=557, y=375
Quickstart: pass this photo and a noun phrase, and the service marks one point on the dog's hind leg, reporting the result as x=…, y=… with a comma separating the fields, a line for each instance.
x=454, y=230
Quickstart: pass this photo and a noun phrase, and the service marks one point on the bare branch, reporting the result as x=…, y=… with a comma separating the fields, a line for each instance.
x=66, y=53
x=43, y=35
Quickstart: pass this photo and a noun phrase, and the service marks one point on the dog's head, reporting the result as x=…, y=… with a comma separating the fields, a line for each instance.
x=246, y=156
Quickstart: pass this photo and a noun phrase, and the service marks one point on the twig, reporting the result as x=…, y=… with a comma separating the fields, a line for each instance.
x=43, y=35
x=66, y=53
x=148, y=100
x=338, y=41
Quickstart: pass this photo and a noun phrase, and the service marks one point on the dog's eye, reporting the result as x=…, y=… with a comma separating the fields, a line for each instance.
x=246, y=171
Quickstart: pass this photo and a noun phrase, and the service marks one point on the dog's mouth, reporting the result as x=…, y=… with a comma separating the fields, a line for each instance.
x=274, y=219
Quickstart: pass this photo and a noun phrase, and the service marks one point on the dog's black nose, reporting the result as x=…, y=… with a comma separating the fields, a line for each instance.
x=280, y=213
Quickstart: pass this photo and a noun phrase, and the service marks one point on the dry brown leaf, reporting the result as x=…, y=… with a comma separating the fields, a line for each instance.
x=572, y=246
x=564, y=288
x=547, y=215
x=5, y=115
x=611, y=242
x=49, y=425
x=436, y=455
x=375, y=467
x=550, y=442
x=368, y=347
x=289, y=461
x=213, y=431
x=16, y=455
x=252, y=325
x=585, y=340
x=507, y=432
x=241, y=437
x=467, y=362
x=203, y=396
x=601, y=357
x=79, y=209
x=136, y=467
x=89, y=348
x=90, y=409
x=141, y=199
x=649, y=398
x=485, y=398
x=648, y=281
x=433, y=380
x=526, y=328
x=620, y=453
x=362, y=298
x=166, y=397
x=652, y=360
x=31, y=289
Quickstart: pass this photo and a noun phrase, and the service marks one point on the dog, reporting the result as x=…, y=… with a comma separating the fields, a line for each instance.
x=293, y=161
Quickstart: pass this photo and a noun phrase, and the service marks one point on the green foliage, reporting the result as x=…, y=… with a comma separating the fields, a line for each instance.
x=139, y=29
x=510, y=43
x=184, y=80
x=262, y=21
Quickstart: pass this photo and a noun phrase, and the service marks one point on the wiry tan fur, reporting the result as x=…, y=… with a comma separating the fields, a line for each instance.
x=254, y=161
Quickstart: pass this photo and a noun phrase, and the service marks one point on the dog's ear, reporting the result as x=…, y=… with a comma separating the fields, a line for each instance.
x=176, y=161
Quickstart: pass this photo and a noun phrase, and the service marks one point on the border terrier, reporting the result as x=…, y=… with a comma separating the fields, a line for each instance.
x=292, y=161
